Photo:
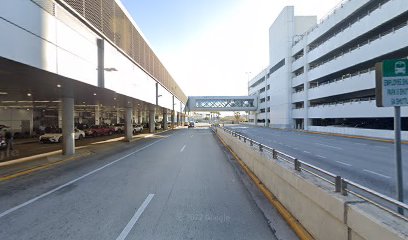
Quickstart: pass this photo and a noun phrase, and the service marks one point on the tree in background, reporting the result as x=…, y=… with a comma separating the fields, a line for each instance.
x=237, y=116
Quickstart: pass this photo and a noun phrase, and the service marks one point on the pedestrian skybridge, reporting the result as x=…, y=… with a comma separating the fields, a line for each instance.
x=221, y=103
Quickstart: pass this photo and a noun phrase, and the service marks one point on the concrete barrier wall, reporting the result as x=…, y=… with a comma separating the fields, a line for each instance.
x=376, y=133
x=313, y=202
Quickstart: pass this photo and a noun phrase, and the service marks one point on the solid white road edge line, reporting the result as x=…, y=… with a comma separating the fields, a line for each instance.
x=125, y=232
x=72, y=181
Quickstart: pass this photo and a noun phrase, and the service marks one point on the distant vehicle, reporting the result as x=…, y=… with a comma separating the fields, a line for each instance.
x=186, y=124
x=119, y=128
x=137, y=128
x=191, y=124
x=99, y=130
x=3, y=143
x=158, y=126
x=56, y=137
x=4, y=129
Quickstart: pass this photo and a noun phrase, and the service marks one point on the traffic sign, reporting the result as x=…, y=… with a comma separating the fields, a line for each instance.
x=392, y=83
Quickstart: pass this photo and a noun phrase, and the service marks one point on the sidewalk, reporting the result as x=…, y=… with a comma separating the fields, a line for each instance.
x=25, y=165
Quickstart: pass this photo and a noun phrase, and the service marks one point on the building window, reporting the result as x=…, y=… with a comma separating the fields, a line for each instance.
x=262, y=110
x=268, y=109
x=262, y=100
x=268, y=87
x=268, y=98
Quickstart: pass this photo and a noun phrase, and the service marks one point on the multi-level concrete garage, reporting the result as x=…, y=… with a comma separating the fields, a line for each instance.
x=321, y=75
x=64, y=63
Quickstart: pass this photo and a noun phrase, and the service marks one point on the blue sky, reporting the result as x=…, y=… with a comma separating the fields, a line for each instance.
x=208, y=46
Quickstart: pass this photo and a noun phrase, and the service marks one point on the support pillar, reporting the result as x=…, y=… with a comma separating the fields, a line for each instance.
x=165, y=126
x=139, y=117
x=60, y=114
x=68, y=142
x=128, y=124
x=172, y=119
x=117, y=115
x=97, y=115
x=152, y=125
x=256, y=118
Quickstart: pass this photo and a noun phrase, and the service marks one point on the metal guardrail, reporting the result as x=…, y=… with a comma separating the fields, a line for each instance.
x=341, y=185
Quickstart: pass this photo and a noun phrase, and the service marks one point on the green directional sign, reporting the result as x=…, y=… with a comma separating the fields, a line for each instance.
x=392, y=83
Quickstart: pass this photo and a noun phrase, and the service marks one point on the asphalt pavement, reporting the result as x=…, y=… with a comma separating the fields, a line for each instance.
x=176, y=185
x=368, y=162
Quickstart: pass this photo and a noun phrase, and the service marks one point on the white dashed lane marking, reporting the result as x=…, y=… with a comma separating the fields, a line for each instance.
x=376, y=173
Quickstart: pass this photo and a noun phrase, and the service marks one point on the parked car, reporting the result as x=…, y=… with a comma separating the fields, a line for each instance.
x=99, y=130
x=3, y=143
x=137, y=128
x=56, y=136
x=191, y=124
x=119, y=128
x=158, y=126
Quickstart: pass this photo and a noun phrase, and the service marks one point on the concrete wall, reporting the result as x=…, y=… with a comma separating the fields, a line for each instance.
x=388, y=134
x=324, y=213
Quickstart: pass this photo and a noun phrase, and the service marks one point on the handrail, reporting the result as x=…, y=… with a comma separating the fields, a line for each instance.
x=342, y=185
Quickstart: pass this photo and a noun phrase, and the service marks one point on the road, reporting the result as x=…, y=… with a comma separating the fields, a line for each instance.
x=367, y=162
x=177, y=185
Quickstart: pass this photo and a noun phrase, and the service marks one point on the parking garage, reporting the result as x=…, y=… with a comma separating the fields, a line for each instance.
x=61, y=75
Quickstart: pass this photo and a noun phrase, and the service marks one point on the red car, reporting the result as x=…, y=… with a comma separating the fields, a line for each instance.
x=99, y=130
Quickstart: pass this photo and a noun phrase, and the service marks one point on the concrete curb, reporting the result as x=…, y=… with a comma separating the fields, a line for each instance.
x=54, y=158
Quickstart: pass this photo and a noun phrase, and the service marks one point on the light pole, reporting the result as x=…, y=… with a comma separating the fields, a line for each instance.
x=247, y=112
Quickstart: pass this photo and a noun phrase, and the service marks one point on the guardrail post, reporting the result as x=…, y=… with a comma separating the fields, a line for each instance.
x=337, y=184
x=343, y=187
x=297, y=165
x=260, y=148
x=239, y=137
x=244, y=139
x=250, y=143
x=274, y=154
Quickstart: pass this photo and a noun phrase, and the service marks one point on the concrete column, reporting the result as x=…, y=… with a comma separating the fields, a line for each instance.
x=68, y=142
x=256, y=118
x=97, y=115
x=172, y=119
x=60, y=114
x=117, y=115
x=152, y=113
x=165, y=127
x=139, y=117
x=128, y=124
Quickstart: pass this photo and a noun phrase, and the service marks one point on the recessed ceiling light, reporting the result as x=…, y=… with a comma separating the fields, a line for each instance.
x=114, y=98
x=3, y=93
x=58, y=85
x=94, y=94
x=29, y=94
x=83, y=102
x=28, y=109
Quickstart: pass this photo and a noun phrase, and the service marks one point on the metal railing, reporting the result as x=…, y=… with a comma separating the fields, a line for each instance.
x=341, y=185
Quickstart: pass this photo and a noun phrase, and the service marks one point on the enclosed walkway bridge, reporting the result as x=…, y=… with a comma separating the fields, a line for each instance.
x=221, y=103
